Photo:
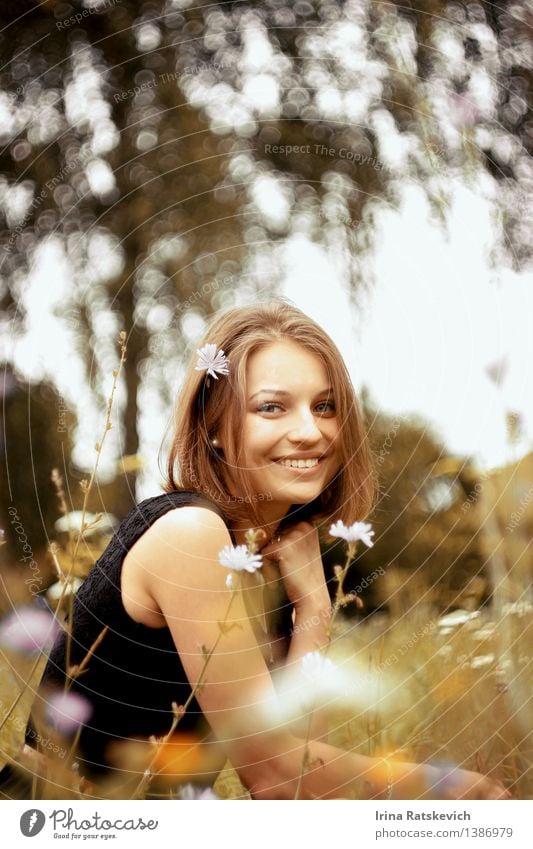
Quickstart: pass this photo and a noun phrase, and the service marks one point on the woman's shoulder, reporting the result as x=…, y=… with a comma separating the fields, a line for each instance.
x=176, y=540
x=195, y=519
x=196, y=510
x=179, y=522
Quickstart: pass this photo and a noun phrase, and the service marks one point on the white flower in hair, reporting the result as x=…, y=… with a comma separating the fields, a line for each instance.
x=212, y=361
x=353, y=533
x=239, y=558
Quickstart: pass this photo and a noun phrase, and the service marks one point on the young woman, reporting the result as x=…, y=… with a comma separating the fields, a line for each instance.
x=267, y=436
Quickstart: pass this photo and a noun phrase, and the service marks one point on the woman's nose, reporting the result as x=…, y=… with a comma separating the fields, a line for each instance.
x=305, y=428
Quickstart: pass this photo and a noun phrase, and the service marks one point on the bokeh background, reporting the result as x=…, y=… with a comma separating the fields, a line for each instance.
x=369, y=160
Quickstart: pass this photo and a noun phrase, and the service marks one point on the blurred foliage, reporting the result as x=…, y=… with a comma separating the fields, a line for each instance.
x=20, y=678
x=141, y=138
x=429, y=545
x=454, y=697
x=32, y=417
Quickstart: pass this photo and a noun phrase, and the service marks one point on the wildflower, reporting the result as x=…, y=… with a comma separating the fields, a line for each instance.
x=212, y=361
x=520, y=608
x=239, y=559
x=315, y=665
x=317, y=682
x=29, y=629
x=463, y=110
x=67, y=711
x=191, y=793
x=482, y=660
x=353, y=533
x=484, y=633
x=457, y=617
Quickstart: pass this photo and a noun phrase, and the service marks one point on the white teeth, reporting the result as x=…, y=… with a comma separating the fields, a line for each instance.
x=300, y=464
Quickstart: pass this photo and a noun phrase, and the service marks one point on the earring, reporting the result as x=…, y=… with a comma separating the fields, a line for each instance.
x=214, y=442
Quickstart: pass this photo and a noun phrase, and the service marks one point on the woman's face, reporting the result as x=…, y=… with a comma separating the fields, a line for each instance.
x=290, y=416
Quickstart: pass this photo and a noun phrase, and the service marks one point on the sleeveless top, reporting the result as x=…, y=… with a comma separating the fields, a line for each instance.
x=135, y=673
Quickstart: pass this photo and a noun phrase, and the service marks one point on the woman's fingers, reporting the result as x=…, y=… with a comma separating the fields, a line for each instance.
x=271, y=573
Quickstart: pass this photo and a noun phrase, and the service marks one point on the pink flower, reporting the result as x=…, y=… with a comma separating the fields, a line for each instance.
x=67, y=711
x=29, y=629
x=464, y=111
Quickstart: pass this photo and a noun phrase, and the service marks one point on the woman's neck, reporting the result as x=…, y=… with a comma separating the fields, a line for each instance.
x=268, y=524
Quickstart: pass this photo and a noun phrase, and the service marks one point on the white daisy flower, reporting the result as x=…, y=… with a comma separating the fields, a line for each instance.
x=353, y=533
x=239, y=559
x=212, y=361
x=457, y=617
x=314, y=665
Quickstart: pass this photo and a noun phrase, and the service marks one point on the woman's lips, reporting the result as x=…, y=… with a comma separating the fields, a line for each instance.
x=302, y=469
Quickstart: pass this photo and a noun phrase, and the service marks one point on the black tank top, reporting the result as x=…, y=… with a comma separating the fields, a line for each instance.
x=136, y=673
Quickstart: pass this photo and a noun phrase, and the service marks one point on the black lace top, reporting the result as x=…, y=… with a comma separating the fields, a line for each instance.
x=135, y=673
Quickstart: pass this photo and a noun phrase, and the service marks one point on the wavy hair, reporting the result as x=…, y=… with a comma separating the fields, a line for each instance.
x=201, y=412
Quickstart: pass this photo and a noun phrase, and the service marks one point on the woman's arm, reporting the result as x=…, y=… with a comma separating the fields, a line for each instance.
x=188, y=587
x=300, y=566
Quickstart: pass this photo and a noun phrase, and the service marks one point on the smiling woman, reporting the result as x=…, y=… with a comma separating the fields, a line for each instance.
x=205, y=604
x=288, y=396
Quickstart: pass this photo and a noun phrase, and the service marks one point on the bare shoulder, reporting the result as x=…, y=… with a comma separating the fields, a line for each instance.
x=189, y=529
x=182, y=545
x=191, y=517
x=180, y=539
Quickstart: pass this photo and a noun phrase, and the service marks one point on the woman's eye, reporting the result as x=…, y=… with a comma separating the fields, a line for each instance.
x=262, y=409
x=329, y=404
x=267, y=407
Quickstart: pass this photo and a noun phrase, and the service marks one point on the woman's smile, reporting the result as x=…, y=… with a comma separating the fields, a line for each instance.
x=290, y=439
x=306, y=466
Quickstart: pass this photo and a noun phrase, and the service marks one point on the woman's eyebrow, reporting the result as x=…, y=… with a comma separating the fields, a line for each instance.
x=282, y=392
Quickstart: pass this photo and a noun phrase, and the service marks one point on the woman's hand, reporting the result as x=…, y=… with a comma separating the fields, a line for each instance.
x=300, y=565
x=463, y=784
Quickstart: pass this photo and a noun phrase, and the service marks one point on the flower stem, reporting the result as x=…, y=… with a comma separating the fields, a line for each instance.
x=87, y=489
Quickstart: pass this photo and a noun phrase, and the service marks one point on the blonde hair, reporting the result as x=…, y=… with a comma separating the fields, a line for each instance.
x=202, y=412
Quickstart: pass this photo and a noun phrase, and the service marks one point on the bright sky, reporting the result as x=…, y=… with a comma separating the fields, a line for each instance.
x=437, y=317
